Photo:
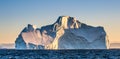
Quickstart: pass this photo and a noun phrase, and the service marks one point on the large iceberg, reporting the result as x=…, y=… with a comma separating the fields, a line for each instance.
x=65, y=33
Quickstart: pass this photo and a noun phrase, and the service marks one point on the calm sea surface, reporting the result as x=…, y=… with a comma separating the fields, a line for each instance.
x=60, y=54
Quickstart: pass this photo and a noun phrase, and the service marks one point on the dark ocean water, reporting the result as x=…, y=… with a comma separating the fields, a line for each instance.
x=60, y=54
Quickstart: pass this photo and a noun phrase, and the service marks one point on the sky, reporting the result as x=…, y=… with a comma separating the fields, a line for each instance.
x=16, y=14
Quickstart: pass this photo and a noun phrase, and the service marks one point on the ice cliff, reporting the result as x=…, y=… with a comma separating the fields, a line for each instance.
x=65, y=33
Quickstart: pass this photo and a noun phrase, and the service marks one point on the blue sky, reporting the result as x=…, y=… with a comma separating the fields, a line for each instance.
x=16, y=14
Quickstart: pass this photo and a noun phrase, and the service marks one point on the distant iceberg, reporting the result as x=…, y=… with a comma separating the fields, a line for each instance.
x=65, y=33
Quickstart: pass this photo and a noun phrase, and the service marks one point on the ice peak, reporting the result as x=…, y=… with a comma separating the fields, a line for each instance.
x=65, y=16
x=66, y=22
x=31, y=27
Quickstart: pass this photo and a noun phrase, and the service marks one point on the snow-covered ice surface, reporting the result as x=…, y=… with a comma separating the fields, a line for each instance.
x=60, y=54
x=65, y=33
